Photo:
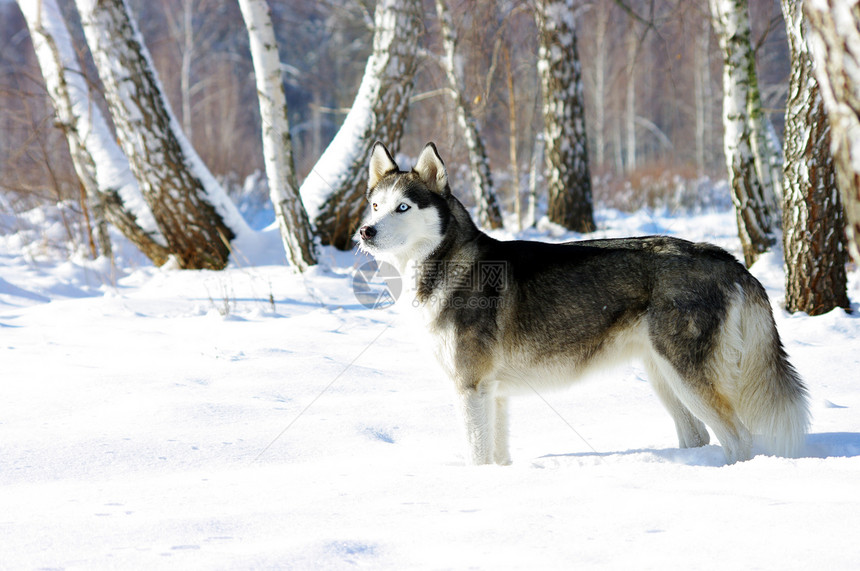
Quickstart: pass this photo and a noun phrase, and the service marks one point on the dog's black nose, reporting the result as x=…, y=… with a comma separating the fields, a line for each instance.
x=367, y=232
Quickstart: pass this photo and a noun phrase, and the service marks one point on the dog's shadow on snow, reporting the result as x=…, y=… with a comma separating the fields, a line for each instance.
x=833, y=445
x=711, y=455
x=818, y=445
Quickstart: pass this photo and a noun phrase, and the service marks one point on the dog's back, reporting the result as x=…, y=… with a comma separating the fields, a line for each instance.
x=699, y=321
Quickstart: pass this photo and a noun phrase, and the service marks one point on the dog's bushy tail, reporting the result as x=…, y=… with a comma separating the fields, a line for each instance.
x=772, y=398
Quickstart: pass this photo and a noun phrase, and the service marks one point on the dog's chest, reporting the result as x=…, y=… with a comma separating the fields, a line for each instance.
x=444, y=339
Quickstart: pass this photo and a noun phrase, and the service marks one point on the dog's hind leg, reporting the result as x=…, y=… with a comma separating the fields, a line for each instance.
x=501, y=454
x=478, y=411
x=705, y=402
x=691, y=431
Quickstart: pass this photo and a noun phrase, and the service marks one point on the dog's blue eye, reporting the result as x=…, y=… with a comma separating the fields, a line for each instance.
x=403, y=207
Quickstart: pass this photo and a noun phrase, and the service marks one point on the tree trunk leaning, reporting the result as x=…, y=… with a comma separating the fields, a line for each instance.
x=334, y=190
x=487, y=205
x=191, y=210
x=101, y=168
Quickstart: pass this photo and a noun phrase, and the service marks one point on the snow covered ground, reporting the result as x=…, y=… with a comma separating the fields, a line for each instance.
x=252, y=418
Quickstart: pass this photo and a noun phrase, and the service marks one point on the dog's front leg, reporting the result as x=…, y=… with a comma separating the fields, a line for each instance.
x=478, y=411
x=501, y=454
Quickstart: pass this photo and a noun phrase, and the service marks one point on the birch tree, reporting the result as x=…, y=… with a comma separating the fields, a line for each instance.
x=702, y=93
x=333, y=192
x=479, y=164
x=633, y=46
x=603, y=11
x=834, y=38
x=745, y=139
x=813, y=225
x=183, y=30
x=193, y=213
x=534, y=174
x=277, y=145
x=99, y=164
x=568, y=176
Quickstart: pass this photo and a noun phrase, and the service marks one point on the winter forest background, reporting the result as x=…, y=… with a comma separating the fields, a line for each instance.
x=620, y=97
x=676, y=73
x=547, y=107
x=652, y=86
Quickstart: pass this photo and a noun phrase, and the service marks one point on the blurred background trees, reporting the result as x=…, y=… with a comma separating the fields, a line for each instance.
x=658, y=99
x=649, y=89
x=652, y=100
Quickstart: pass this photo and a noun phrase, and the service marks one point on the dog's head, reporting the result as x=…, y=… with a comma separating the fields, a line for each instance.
x=409, y=211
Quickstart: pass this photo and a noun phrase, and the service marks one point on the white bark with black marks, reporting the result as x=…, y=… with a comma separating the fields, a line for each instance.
x=813, y=223
x=486, y=203
x=747, y=152
x=834, y=38
x=290, y=213
x=193, y=213
x=568, y=174
x=99, y=163
x=333, y=192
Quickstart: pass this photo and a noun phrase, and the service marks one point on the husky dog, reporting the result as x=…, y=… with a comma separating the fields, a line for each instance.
x=515, y=316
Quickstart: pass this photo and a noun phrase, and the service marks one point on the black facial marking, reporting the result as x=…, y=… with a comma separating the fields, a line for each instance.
x=419, y=195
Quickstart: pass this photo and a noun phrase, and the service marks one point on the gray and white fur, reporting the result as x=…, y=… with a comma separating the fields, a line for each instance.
x=513, y=316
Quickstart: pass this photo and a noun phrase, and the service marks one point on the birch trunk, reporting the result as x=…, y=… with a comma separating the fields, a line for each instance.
x=277, y=145
x=600, y=65
x=101, y=168
x=185, y=71
x=813, y=225
x=630, y=99
x=512, y=142
x=486, y=203
x=534, y=174
x=834, y=39
x=752, y=185
x=568, y=177
x=193, y=213
x=333, y=192
x=617, y=150
x=702, y=92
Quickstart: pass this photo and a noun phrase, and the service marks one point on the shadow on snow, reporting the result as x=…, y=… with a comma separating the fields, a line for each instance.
x=818, y=445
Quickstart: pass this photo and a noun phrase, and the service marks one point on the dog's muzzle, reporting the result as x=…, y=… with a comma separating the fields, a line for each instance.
x=367, y=233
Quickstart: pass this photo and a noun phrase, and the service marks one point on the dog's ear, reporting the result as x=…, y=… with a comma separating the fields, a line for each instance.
x=381, y=164
x=431, y=170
